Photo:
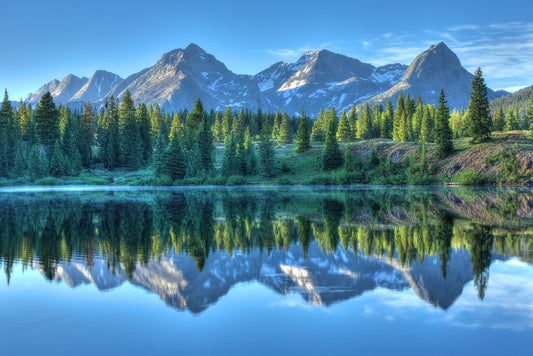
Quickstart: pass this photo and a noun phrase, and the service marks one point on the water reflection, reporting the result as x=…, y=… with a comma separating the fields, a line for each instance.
x=192, y=247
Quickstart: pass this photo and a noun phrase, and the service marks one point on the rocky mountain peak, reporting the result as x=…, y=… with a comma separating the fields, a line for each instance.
x=437, y=61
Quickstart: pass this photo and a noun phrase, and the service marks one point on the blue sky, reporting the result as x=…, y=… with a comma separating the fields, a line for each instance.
x=43, y=40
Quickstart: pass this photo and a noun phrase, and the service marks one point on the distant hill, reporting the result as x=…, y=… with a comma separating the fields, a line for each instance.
x=521, y=99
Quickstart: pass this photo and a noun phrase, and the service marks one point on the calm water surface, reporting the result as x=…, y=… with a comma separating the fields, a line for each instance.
x=267, y=271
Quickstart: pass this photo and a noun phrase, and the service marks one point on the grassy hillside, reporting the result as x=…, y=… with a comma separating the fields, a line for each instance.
x=507, y=159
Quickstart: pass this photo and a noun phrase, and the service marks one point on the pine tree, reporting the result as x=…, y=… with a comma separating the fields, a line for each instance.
x=285, y=136
x=353, y=122
x=479, y=120
x=130, y=144
x=276, y=126
x=251, y=160
x=511, y=121
x=227, y=122
x=57, y=162
x=205, y=146
x=218, y=132
x=109, y=135
x=145, y=128
x=47, y=121
x=317, y=132
x=6, y=112
x=417, y=119
x=27, y=124
x=238, y=127
x=344, y=132
x=331, y=156
x=176, y=128
x=175, y=160
x=387, y=122
x=86, y=131
x=364, y=124
x=159, y=156
x=499, y=120
x=192, y=125
x=399, y=118
x=443, y=133
x=229, y=161
x=266, y=152
x=426, y=128
x=529, y=115
x=303, y=135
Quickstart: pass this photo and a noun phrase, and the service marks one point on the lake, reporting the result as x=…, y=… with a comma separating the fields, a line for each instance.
x=266, y=271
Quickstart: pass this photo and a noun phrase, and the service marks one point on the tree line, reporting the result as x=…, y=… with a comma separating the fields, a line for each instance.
x=59, y=142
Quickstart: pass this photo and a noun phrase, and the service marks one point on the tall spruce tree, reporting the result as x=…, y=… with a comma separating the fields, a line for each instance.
x=251, y=160
x=353, y=122
x=479, y=120
x=303, y=143
x=285, y=136
x=227, y=122
x=499, y=119
x=144, y=124
x=6, y=140
x=218, y=132
x=443, y=132
x=364, y=124
x=205, y=146
x=317, y=132
x=399, y=118
x=331, y=156
x=387, y=121
x=511, y=121
x=276, y=126
x=529, y=114
x=175, y=160
x=230, y=164
x=47, y=121
x=266, y=151
x=109, y=135
x=192, y=125
x=426, y=128
x=344, y=132
x=176, y=128
x=130, y=144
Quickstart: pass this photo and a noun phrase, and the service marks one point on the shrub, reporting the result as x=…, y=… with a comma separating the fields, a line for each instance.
x=164, y=180
x=469, y=177
x=49, y=181
x=236, y=180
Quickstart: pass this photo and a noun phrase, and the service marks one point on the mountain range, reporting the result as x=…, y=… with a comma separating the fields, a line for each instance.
x=321, y=279
x=319, y=79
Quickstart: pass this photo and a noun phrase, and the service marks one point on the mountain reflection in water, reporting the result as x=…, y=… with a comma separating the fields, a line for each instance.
x=191, y=247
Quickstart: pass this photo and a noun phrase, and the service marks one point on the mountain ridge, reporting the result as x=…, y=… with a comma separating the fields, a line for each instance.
x=318, y=79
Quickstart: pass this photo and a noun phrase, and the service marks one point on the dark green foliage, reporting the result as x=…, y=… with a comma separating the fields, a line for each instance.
x=399, y=119
x=510, y=164
x=57, y=162
x=205, y=146
x=159, y=156
x=175, y=161
x=443, y=132
x=499, y=120
x=192, y=125
x=230, y=164
x=218, y=131
x=130, y=145
x=85, y=135
x=511, y=121
x=364, y=124
x=426, y=128
x=303, y=138
x=266, y=153
x=479, y=119
x=285, y=136
x=349, y=160
x=318, y=130
x=344, y=132
x=387, y=121
x=145, y=128
x=331, y=156
x=109, y=135
x=420, y=170
x=47, y=121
